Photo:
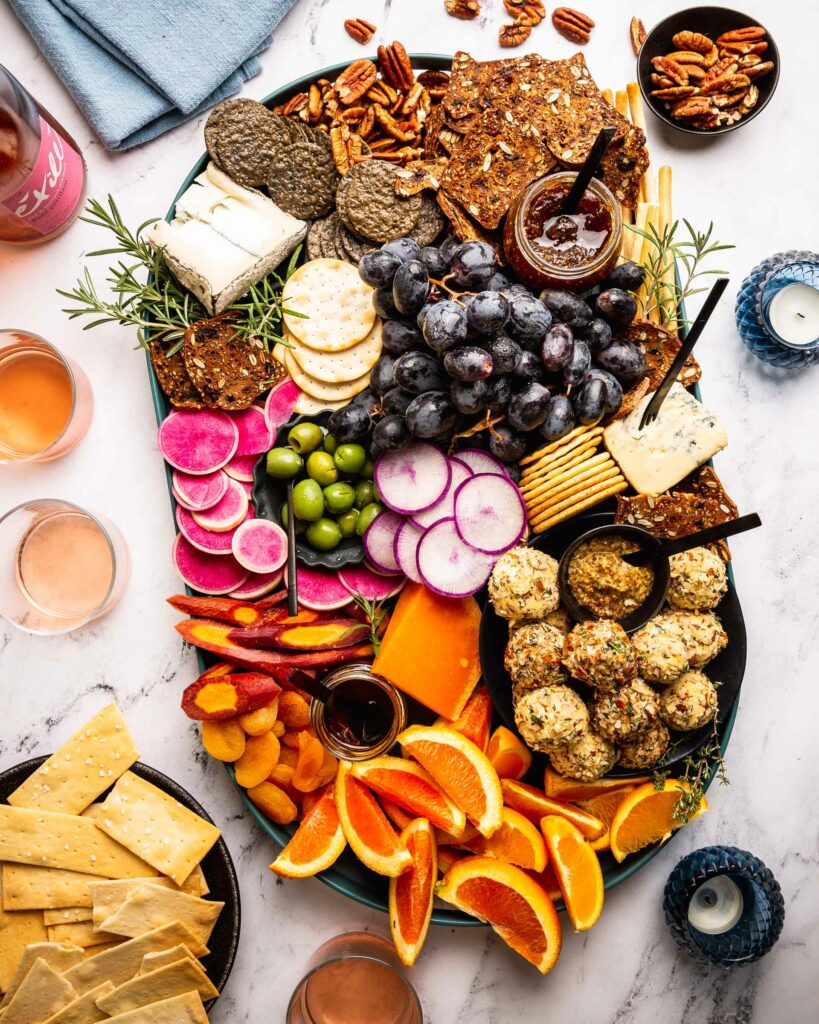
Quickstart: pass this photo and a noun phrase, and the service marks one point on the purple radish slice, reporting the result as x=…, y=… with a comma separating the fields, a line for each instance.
x=413, y=478
x=255, y=436
x=200, y=492
x=197, y=442
x=241, y=468
x=489, y=513
x=405, y=548
x=379, y=539
x=260, y=546
x=480, y=461
x=454, y=458
x=360, y=580
x=257, y=585
x=320, y=589
x=203, y=540
x=380, y=572
x=447, y=565
x=209, y=574
x=281, y=404
x=227, y=513
x=445, y=508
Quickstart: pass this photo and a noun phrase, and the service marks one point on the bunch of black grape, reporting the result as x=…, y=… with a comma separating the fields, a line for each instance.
x=462, y=340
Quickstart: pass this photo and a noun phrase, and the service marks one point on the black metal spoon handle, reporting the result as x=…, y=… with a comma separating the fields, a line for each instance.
x=695, y=540
x=588, y=170
x=292, y=580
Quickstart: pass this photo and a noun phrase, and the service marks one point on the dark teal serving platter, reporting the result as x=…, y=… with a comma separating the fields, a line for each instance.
x=348, y=876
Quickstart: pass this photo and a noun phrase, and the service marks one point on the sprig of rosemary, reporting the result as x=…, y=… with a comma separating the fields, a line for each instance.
x=375, y=612
x=662, y=292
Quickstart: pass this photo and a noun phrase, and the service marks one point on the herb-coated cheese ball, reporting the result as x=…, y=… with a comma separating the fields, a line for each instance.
x=701, y=632
x=698, y=580
x=690, y=702
x=661, y=653
x=533, y=657
x=645, y=750
x=550, y=717
x=589, y=757
x=600, y=653
x=523, y=584
x=560, y=619
x=622, y=714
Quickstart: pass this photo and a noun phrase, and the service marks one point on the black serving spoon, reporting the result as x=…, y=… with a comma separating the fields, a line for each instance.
x=667, y=548
x=588, y=170
x=292, y=580
x=364, y=718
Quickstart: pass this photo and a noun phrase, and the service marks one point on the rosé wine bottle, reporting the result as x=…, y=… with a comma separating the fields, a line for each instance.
x=42, y=175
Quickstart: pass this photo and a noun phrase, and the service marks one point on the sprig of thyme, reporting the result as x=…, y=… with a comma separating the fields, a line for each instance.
x=700, y=767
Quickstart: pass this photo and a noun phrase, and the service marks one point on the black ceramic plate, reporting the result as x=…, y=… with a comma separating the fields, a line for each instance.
x=269, y=495
x=220, y=873
x=728, y=667
x=712, y=21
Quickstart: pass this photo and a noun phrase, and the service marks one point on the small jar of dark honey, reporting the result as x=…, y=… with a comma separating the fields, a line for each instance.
x=550, y=249
x=363, y=718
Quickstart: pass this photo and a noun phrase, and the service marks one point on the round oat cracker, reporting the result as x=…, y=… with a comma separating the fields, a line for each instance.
x=368, y=206
x=337, y=306
x=302, y=180
x=243, y=138
x=338, y=367
x=431, y=221
x=318, y=389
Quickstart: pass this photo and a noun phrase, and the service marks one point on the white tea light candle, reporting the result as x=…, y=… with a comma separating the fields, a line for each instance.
x=794, y=314
x=716, y=907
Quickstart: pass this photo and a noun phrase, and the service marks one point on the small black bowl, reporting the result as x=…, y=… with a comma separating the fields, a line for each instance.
x=662, y=576
x=712, y=22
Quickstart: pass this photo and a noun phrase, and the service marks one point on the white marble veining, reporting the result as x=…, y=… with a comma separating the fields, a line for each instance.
x=758, y=185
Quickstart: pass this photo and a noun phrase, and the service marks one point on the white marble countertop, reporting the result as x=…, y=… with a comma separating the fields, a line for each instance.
x=758, y=185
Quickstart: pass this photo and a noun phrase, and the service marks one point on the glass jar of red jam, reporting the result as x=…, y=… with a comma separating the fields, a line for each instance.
x=550, y=249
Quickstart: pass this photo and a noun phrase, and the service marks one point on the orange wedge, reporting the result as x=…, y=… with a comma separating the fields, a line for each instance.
x=561, y=788
x=447, y=857
x=475, y=719
x=604, y=808
x=646, y=816
x=447, y=839
x=517, y=841
x=577, y=870
x=317, y=843
x=397, y=815
x=547, y=880
x=370, y=835
x=461, y=770
x=532, y=803
x=509, y=755
x=407, y=784
x=510, y=901
x=411, y=894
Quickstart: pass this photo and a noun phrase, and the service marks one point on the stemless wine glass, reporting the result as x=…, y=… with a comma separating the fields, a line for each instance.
x=46, y=402
x=60, y=566
x=355, y=978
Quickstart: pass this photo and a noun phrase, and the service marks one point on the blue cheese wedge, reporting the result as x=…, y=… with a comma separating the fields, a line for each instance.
x=682, y=437
x=224, y=237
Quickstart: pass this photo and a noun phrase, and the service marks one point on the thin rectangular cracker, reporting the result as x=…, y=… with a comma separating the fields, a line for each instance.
x=27, y=887
x=59, y=955
x=66, y=915
x=184, y=1009
x=18, y=929
x=156, y=827
x=83, y=1010
x=80, y=933
x=108, y=896
x=42, y=993
x=82, y=768
x=153, y=961
x=172, y=980
x=149, y=906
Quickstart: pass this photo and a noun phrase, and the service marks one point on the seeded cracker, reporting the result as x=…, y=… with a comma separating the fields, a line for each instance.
x=173, y=378
x=302, y=180
x=624, y=165
x=313, y=243
x=243, y=137
x=369, y=207
x=353, y=246
x=660, y=347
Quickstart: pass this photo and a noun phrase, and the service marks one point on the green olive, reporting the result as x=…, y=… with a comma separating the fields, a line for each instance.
x=347, y=522
x=339, y=498
x=364, y=493
x=324, y=534
x=308, y=501
x=330, y=443
x=284, y=463
x=366, y=516
x=368, y=472
x=350, y=459
x=320, y=468
x=283, y=516
x=305, y=437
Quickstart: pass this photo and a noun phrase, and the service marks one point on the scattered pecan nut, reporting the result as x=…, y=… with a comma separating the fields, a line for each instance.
x=435, y=82
x=529, y=12
x=675, y=92
x=463, y=9
x=661, y=81
x=687, y=57
x=743, y=48
x=360, y=30
x=742, y=35
x=515, y=34
x=354, y=81
x=724, y=83
x=697, y=41
x=295, y=104
x=396, y=67
x=670, y=68
x=749, y=100
x=726, y=66
x=572, y=25
x=694, y=72
x=758, y=70
x=637, y=34
x=691, y=106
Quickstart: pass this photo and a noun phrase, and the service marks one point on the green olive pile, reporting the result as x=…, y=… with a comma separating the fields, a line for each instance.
x=335, y=497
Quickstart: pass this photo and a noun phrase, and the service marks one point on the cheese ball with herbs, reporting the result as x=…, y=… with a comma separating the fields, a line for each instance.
x=600, y=653
x=588, y=758
x=662, y=656
x=560, y=619
x=699, y=580
x=646, y=749
x=621, y=715
x=533, y=657
x=690, y=702
x=550, y=717
x=701, y=633
x=523, y=584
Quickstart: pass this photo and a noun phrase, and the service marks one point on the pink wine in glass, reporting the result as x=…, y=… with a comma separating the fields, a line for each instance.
x=42, y=175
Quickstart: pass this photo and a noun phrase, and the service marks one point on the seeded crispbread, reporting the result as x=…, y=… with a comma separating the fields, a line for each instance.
x=336, y=305
x=302, y=179
x=624, y=165
x=660, y=347
x=173, y=378
x=243, y=137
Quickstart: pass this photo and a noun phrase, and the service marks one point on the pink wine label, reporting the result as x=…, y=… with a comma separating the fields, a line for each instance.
x=50, y=194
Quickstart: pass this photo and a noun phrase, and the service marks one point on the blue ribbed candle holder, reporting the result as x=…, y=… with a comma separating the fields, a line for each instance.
x=724, y=907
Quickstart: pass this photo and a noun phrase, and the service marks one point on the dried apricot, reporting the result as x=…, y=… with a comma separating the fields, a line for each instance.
x=282, y=774
x=308, y=766
x=289, y=755
x=279, y=729
x=294, y=710
x=259, y=759
x=260, y=721
x=224, y=740
x=273, y=802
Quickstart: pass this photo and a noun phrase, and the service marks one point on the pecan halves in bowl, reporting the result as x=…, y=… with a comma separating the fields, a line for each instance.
x=572, y=25
x=742, y=35
x=355, y=80
x=696, y=41
x=396, y=68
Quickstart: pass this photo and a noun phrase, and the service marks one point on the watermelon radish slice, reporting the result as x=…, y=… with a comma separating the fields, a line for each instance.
x=255, y=435
x=281, y=404
x=260, y=546
x=227, y=513
x=203, y=540
x=209, y=574
x=447, y=565
x=241, y=468
x=197, y=442
x=445, y=508
x=405, y=549
x=379, y=540
x=412, y=479
x=360, y=580
x=197, y=493
x=320, y=589
x=489, y=513
x=480, y=462
x=257, y=585
x=380, y=572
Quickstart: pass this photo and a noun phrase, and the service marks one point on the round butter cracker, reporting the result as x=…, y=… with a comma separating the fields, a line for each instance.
x=337, y=306
x=306, y=405
x=338, y=367
x=320, y=389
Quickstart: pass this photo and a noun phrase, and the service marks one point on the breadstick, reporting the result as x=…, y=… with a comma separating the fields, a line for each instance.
x=652, y=218
x=667, y=292
x=607, y=96
x=636, y=241
x=638, y=118
x=621, y=104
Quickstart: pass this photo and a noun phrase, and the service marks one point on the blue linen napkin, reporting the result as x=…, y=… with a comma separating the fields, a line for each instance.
x=138, y=69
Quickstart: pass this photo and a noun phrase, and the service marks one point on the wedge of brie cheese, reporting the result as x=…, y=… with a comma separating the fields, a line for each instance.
x=224, y=237
x=683, y=437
